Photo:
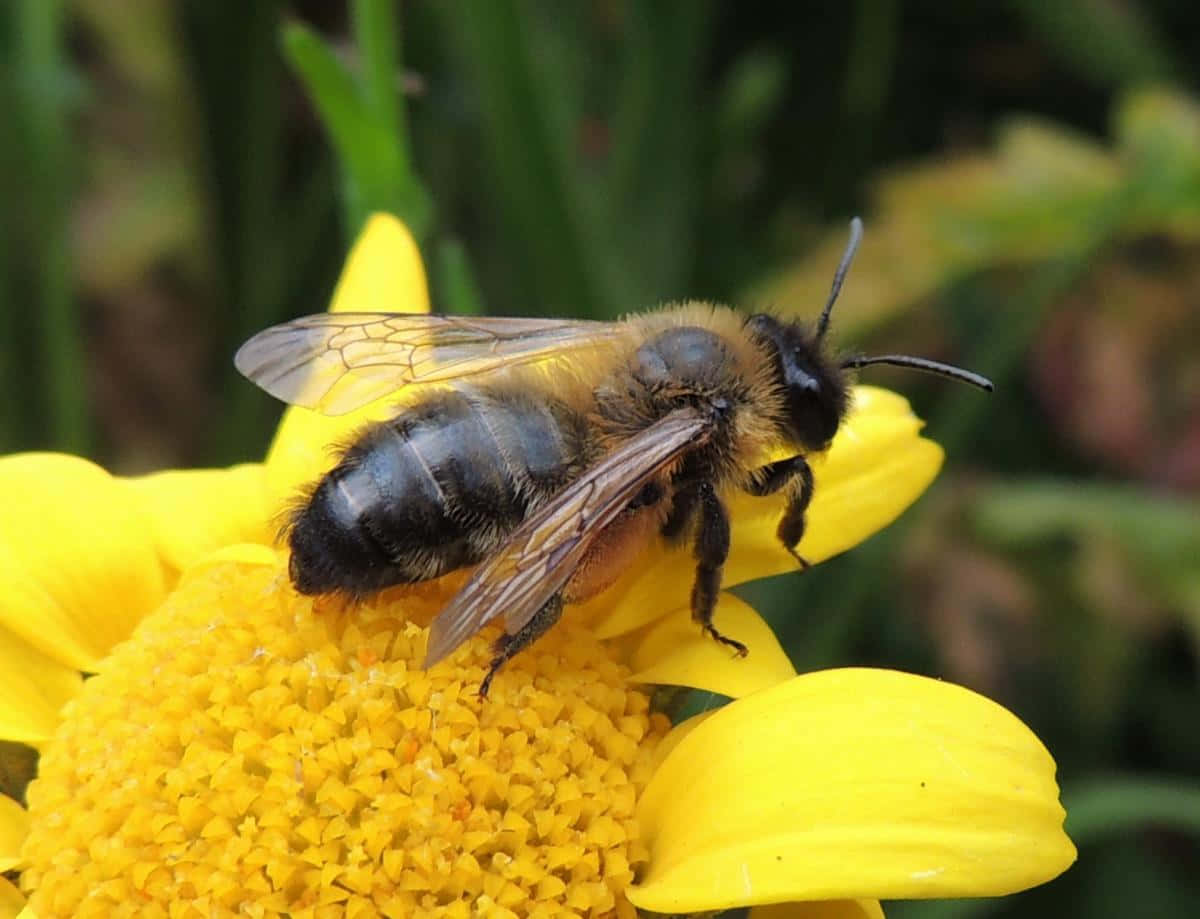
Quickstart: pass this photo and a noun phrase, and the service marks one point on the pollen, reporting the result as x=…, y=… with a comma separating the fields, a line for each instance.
x=246, y=754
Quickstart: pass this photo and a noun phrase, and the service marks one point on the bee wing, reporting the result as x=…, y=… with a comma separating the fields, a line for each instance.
x=337, y=362
x=543, y=553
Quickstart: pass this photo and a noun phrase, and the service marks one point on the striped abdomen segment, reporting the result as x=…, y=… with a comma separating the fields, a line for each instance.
x=436, y=488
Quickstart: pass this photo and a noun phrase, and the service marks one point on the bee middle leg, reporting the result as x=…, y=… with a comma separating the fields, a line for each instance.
x=683, y=510
x=508, y=646
x=794, y=474
x=710, y=550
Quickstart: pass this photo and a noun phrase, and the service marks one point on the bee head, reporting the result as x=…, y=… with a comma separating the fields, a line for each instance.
x=815, y=385
x=815, y=395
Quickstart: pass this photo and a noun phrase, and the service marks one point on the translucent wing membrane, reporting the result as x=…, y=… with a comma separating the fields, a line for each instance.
x=337, y=362
x=543, y=553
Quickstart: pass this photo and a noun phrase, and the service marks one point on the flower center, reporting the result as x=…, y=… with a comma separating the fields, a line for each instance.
x=244, y=751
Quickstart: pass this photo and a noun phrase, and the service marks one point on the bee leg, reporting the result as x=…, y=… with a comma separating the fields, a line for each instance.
x=710, y=550
x=795, y=474
x=508, y=646
x=683, y=509
x=650, y=495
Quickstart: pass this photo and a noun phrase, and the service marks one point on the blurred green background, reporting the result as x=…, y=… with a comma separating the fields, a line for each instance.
x=178, y=175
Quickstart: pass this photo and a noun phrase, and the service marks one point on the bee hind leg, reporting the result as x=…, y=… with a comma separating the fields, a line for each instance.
x=710, y=550
x=508, y=646
x=795, y=474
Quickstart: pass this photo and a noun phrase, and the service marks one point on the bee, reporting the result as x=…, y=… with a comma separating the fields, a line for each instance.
x=549, y=452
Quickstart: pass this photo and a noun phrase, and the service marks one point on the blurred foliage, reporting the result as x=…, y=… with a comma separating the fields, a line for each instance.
x=177, y=175
x=361, y=109
x=1039, y=196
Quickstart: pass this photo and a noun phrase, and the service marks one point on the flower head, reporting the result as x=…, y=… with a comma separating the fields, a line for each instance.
x=243, y=748
x=243, y=745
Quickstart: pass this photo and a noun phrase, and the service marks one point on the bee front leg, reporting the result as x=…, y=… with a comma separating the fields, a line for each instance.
x=508, y=646
x=794, y=474
x=710, y=550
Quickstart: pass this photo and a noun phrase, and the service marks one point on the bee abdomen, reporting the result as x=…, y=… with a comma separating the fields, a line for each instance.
x=436, y=488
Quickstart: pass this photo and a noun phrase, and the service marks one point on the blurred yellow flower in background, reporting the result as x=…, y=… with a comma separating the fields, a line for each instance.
x=243, y=749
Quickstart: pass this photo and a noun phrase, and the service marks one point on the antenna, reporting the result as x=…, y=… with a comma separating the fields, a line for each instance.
x=927, y=366
x=856, y=233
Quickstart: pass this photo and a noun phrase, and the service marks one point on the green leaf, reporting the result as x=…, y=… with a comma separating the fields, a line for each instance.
x=1105, y=807
x=1157, y=536
x=649, y=199
x=377, y=38
x=749, y=96
x=1160, y=531
x=41, y=73
x=335, y=96
x=455, y=281
x=1111, y=43
x=527, y=137
x=365, y=136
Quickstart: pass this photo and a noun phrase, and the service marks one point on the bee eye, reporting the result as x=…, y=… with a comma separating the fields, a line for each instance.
x=801, y=379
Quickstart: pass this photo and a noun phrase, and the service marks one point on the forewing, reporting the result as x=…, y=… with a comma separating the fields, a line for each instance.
x=543, y=553
x=337, y=362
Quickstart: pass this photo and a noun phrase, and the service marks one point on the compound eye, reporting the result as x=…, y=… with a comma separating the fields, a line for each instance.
x=762, y=324
x=800, y=379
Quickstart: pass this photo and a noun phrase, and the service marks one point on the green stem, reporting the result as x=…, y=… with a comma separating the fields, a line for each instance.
x=376, y=39
x=400, y=191
x=650, y=205
x=361, y=110
x=456, y=285
x=258, y=153
x=41, y=70
x=529, y=149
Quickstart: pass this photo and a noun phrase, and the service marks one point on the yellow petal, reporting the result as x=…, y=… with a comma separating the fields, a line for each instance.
x=14, y=827
x=12, y=904
x=820, y=909
x=77, y=558
x=878, y=465
x=194, y=511
x=33, y=689
x=677, y=733
x=846, y=784
x=675, y=652
x=383, y=273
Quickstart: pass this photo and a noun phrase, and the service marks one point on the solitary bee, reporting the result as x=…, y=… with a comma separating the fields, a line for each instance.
x=553, y=450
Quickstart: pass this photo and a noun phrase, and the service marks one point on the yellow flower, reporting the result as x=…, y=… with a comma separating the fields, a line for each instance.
x=244, y=749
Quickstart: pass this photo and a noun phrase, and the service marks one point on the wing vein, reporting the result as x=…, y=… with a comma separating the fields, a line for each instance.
x=337, y=362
